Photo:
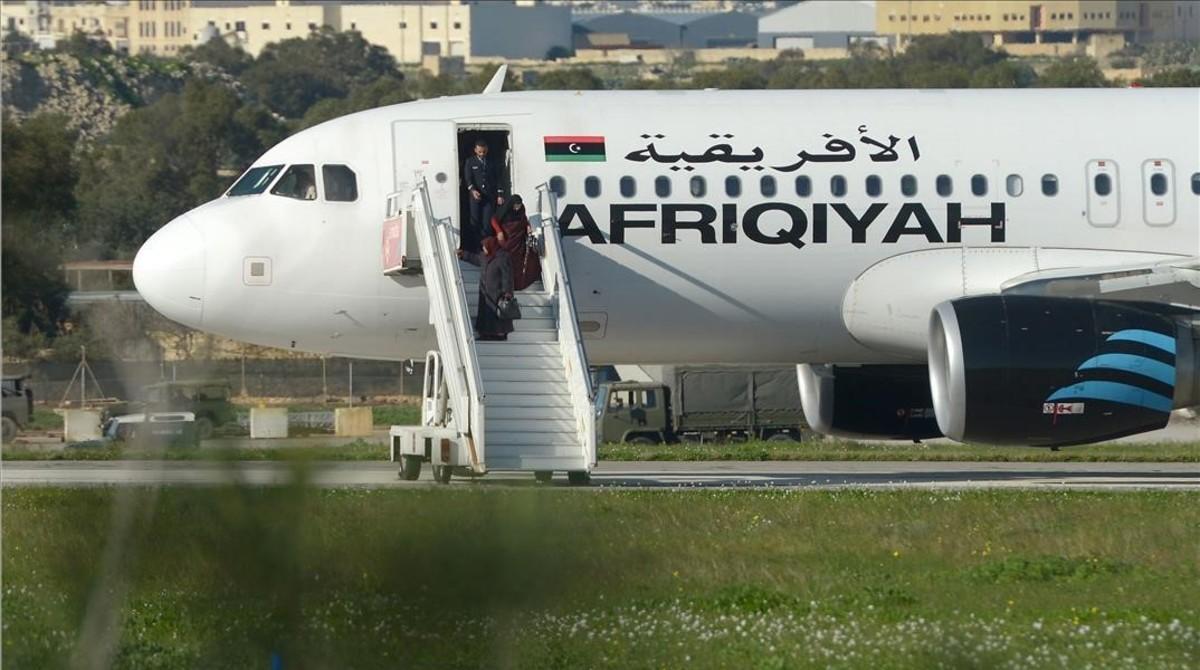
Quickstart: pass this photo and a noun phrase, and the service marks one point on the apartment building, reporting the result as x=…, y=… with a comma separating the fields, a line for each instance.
x=1042, y=21
x=410, y=31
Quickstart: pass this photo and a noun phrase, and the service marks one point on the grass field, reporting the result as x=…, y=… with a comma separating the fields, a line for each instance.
x=230, y=577
x=844, y=450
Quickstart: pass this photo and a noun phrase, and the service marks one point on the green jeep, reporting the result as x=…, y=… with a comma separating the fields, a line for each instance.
x=208, y=400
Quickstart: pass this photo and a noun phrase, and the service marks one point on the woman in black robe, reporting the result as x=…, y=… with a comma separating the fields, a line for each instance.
x=512, y=231
x=495, y=282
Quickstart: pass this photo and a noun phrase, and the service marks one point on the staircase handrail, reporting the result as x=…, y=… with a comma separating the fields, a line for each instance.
x=558, y=280
x=456, y=337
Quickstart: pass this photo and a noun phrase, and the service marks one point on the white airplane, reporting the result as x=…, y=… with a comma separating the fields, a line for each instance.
x=1003, y=266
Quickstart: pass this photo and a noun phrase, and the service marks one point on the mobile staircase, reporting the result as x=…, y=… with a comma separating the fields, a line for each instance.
x=523, y=404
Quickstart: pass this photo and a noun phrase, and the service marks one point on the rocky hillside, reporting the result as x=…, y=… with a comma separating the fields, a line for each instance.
x=92, y=91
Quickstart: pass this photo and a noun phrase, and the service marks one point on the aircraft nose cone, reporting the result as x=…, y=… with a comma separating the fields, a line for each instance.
x=168, y=271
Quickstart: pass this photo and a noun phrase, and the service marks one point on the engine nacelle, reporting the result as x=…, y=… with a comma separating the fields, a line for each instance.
x=1044, y=371
x=871, y=401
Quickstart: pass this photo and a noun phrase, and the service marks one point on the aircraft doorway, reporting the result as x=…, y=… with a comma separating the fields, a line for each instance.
x=499, y=154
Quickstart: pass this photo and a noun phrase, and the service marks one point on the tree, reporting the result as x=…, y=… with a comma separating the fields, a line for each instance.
x=84, y=46
x=557, y=52
x=384, y=91
x=218, y=53
x=569, y=79
x=1076, y=72
x=16, y=43
x=39, y=176
x=1182, y=78
x=291, y=75
x=163, y=159
x=740, y=76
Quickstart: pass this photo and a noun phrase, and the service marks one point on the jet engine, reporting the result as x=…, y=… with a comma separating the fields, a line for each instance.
x=871, y=401
x=1053, y=371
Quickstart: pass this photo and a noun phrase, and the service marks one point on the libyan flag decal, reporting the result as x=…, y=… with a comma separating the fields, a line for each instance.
x=575, y=148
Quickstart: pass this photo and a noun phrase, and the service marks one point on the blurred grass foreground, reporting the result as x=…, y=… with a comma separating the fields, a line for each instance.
x=522, y=578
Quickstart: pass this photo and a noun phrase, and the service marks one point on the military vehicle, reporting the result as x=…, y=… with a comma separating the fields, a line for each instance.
x=154, y=428
x=17, y=405
x=702, y=404
x=207, y=400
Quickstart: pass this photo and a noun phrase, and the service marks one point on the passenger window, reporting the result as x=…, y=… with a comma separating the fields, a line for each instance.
x=978, y=185
x=1049, y=185
x=662, y=187
x=628, y=187
x=255, y=181
x=299, y=182
x=591, y=187
x=1103, y=184
x=558, y=186
x=945, y=186
x=1196, y=183
x=803, y=187
x=1014, y=185
x=837, y=185
x=768, y=187
x=908, y=185
x=698, y=187
x=650, y=399
x=874, y=186
x=340, y=183
x=733, y=187
x=1158, y=184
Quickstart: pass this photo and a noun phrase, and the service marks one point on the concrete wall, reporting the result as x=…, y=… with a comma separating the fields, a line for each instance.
x=509, y=31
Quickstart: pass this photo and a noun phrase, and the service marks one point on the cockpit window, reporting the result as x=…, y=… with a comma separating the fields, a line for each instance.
x=299, y=182
x=255, y=181
x=340, y=183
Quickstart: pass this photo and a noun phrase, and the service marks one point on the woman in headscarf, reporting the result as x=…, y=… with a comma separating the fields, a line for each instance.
x=512, y=230
x=495, y=282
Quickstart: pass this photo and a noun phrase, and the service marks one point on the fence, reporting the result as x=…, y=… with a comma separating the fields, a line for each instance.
x=304, y=378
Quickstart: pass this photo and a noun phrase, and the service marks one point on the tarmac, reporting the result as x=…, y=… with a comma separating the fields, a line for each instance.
x=629, y=475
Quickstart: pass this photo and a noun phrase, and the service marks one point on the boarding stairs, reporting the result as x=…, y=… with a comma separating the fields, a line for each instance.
x=523, y=404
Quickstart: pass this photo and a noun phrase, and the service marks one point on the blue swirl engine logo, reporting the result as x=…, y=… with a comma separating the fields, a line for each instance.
x=1135, y=367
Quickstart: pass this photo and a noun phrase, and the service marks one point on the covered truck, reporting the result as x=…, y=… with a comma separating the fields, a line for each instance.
x=703, y=403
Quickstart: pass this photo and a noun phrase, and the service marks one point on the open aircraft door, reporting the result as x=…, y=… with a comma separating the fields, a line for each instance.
x=428, y=149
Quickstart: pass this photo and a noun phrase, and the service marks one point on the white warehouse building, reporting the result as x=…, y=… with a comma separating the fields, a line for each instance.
x=820, y=24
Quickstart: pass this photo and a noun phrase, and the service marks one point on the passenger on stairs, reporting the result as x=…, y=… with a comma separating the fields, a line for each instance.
x=495, y=282
x=512, y=230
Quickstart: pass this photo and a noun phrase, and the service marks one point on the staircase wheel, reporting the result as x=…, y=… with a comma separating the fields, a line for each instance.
x=579, y=478
x=410, y=468
x=441, y=473
x=544, y=476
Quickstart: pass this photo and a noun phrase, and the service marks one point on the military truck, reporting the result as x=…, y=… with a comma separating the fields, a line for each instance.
x=701, y=404
x=17, y=405
x=207, y=400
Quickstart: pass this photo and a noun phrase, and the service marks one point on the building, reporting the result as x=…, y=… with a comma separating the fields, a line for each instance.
x=675, y=30
x=157, y=27
x=254, y=25
x=1018, y=22
x=820, y=24
x=411, y=31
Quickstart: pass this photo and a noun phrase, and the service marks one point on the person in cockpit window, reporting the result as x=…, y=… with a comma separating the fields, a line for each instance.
x=485, y=190
x=306, y=186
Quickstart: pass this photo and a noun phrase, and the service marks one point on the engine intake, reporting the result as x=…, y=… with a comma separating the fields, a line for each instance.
x=872, y=401
x=1044, y=371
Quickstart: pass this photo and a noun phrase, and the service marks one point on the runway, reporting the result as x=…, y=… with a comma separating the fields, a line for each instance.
x=630, y=475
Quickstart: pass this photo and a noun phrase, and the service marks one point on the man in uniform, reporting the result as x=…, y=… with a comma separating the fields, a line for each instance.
x=484, y=190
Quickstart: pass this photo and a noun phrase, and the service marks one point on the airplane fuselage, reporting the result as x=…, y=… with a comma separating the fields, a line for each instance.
x=715, y=227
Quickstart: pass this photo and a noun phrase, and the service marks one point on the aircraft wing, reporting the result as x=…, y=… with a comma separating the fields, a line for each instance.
x=1174, y=284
